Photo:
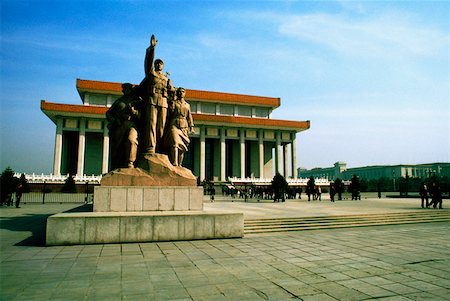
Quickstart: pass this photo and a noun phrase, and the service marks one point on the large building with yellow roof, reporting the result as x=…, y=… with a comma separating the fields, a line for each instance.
x=235, y=135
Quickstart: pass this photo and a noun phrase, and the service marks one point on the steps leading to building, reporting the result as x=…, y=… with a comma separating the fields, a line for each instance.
x=343, y=221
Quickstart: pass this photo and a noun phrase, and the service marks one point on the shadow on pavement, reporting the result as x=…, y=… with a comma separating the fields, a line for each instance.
x=36, y=224
x=82, y=208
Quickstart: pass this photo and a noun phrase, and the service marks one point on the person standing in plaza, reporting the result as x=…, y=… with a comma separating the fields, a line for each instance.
x=308, y=193
x=423, y=192
x=279, y=187
x=19, y=192
x=332, y=192
x=436, y=195
x=319, y=193
x=310, y=188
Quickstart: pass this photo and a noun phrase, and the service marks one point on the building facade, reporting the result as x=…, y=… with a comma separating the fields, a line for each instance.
x=235, y=135
x=379, y=171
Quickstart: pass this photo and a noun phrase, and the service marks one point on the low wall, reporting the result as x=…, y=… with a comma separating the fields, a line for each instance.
x=121, y=227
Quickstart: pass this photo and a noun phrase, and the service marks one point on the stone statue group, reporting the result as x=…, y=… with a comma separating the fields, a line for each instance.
x=152, y=117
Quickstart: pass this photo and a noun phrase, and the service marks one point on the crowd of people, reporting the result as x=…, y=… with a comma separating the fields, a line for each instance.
x=258, y=192
x=431, y=196
x=8, y=199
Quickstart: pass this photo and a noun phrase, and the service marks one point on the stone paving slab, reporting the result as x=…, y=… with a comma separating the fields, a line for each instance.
x=401, y=262
x=253, y=209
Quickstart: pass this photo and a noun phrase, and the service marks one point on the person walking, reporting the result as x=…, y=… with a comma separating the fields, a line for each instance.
x=332, y=192
x=436, y=195
x=423, y=192
x=319, y=193
x=19, y=192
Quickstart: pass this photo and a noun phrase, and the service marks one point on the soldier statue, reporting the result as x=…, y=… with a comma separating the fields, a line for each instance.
x=154, y=90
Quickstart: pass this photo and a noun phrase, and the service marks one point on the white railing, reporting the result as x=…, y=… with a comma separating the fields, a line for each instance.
x=55, y=197
x=59, y=179
x=268, y=181
x=93, y=179
x=290, y=181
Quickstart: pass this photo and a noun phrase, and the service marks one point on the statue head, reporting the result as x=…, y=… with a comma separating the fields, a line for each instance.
x=127, y=88
x=159, y=64
x=181, y=92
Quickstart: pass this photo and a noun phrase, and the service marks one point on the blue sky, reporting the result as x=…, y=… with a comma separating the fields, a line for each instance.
x=372, y=77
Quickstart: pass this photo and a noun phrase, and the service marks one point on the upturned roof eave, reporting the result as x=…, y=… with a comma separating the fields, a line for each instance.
x=115, y=88
x=52, y=110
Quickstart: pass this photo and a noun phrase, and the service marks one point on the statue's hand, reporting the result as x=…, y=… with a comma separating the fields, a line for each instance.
x=153, y=41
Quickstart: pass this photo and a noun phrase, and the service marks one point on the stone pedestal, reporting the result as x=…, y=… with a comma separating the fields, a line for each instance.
x=121, y=227
x=158, y=203
x=147, y=198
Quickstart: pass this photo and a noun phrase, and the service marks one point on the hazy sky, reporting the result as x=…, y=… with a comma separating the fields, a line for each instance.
x=372, y=77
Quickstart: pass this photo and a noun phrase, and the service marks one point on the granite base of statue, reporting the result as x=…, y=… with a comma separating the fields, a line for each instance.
x=153, y=202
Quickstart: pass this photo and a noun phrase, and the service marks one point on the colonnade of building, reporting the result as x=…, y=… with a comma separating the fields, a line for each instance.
x=71, y=145
x=241, y=153
x=216, y=153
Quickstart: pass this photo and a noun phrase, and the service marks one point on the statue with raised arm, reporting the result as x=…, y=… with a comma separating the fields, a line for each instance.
x=154, y=90
x=179, y=125
x=145, y=136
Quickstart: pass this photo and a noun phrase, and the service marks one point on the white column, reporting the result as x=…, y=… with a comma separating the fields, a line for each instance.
x=81, y=147
x=108, y=101
x=261, y=154
x=202, y=154
x=285, y=160
x=105, y=158
x=278, y=154
x=222, y=155
x=294, y=156
x=242, y=143
x=58, y=148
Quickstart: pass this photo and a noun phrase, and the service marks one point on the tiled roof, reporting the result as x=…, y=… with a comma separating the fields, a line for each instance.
x=205, y=96
x=247, y=121
x=232, y=98
x=67, y=108
x=53, y=109
x=83, y=84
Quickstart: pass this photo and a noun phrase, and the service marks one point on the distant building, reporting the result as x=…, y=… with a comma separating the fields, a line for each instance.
x=325, y=173
x=378, y=171
x=235, y=135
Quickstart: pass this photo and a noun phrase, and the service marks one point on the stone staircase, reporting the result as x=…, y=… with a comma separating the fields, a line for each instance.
x=344, y=221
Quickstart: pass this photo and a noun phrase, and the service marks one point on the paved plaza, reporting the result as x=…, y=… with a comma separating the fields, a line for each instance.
x=396, y=262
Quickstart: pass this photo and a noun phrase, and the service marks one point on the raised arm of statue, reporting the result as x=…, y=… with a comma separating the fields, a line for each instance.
x=150, y=56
